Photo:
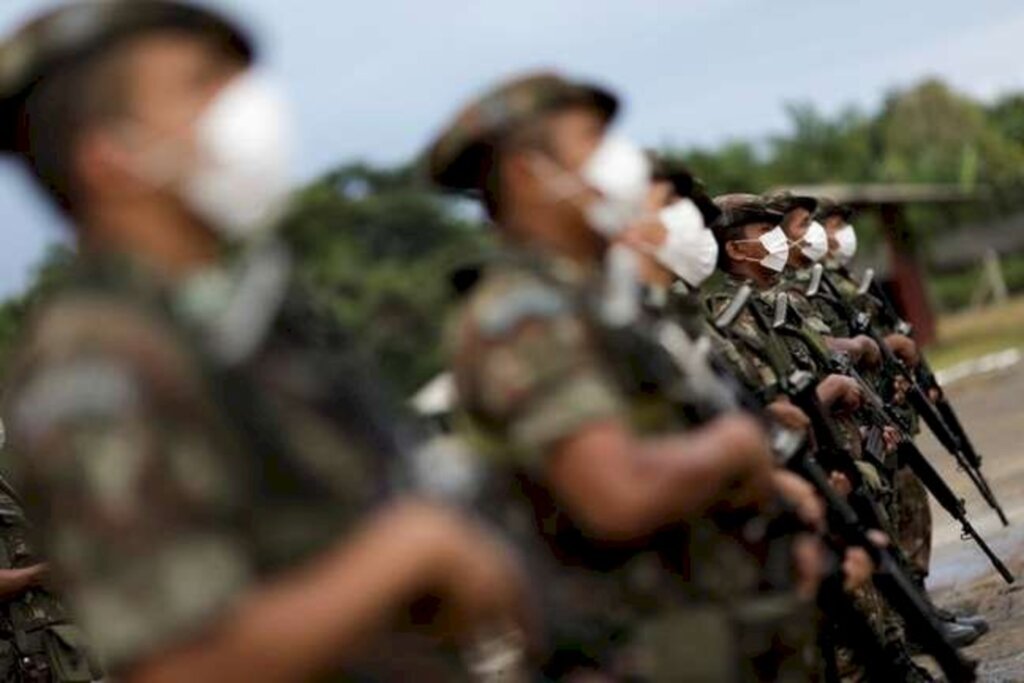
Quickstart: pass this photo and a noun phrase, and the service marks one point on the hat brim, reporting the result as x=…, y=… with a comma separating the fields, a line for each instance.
x=72, y=33
x=844, y=212
x=791, y=202
x=737, y=218
x=465, y=171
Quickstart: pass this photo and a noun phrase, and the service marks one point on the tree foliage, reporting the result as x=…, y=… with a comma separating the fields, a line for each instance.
x=376, y=248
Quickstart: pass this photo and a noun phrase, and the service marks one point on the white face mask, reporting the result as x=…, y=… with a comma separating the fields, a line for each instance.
x=846, y=244
x=621, y=172
x=237, y=181
x=240, y=184
x=690, y=249
x=814, y=244
x=618, y=170
x=776, y=244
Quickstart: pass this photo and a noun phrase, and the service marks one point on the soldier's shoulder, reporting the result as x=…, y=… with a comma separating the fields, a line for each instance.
x=84, y=321
x=719, y=294
x=89, y=352
x=512, y=293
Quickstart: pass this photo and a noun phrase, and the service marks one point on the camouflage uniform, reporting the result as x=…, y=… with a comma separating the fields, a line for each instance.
x=912, y=513
x=170, y=485
x=805, y=353
x=37, y=642
x=533, y=366
x=185, y=443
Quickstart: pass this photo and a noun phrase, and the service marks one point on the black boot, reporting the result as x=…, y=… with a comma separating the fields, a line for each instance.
x=959, y=635
x=975, y=621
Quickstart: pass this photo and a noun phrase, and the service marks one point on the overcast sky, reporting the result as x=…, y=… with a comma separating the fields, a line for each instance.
x=373, y=79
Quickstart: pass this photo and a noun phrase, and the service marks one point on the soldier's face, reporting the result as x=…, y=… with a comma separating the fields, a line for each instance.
x=169, y=80
x=832, y=226
x=749, y=246
x=574, y=134
x=795, y=225
x=547, y=174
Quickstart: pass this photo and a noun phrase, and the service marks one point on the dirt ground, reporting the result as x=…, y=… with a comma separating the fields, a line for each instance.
x=992, y=409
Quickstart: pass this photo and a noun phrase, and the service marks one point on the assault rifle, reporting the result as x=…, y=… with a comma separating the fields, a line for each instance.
x=788, y=322
x=850, y=522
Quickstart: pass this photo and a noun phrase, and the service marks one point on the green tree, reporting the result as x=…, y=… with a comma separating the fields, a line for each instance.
x=376, y=250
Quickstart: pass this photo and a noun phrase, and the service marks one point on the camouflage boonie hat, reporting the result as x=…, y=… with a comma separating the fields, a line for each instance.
x=742, y=209
x=785, y=201
x=77, y=30
x=460, y=157
x=829, y=207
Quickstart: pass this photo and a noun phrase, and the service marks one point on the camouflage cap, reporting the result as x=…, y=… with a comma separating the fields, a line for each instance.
x=76, y=30
x=742, y=209
x=829, y=207
x=785, y=201
x=459, y=158
x=684, y=185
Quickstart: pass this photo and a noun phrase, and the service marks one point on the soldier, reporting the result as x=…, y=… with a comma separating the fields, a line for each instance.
x=913, y=513
x=808, y=244
x=908, y=507
x=218, y=490
x=597, y=471
x=37, y=642
x=678, y=253
x=754, y=248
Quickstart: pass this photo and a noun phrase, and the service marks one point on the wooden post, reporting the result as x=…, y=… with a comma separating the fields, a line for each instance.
x=909, y=290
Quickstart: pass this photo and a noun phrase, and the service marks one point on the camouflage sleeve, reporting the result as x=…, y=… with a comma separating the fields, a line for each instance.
x=134, y=507
x=811, y=315
x=527, y=368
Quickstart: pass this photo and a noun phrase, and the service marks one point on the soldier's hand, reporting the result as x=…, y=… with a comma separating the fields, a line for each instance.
x=857, y=568
x=841, y=483
x=14, y=581
x=870, y=355
x=799, y=493
x=904, y=348
x=838, y=392
x=487, y=590
x=900, y=386
x=747, y=444
x=809, y=562
x=788, y=415
x=891, y=439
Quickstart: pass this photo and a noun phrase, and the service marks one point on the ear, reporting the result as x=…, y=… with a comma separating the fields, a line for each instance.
x=734, y=251
x=516, y=165
x=102, y=166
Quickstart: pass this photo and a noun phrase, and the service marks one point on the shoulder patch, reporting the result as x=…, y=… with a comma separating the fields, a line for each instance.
x=71, y=391
x=502, y=313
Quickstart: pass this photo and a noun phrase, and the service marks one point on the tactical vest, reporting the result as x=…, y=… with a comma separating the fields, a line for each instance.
x=690, y=604
x=37, y=642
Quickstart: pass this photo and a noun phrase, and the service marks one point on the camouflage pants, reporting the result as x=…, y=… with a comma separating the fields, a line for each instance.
x=883, y=621
x=913, y=521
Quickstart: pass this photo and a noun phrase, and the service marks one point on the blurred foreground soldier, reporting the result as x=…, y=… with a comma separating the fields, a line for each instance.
x=216, y=488
x=598, y=474
x=37, y=643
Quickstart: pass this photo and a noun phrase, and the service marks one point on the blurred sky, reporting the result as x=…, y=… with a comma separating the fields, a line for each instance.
x=373, y=79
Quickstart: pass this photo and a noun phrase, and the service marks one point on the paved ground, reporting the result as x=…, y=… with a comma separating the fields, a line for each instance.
x=992, y=409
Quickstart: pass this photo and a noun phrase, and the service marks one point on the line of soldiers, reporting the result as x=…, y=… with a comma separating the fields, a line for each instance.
x=668, y=484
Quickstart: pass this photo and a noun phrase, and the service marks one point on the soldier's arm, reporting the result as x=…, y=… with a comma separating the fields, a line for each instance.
x=14, y=581
x=317, y=617
x=140, y=516
x=862, y=349
x=904, y=348
x=619, y=486
x=527, y=365
x=839, y=392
